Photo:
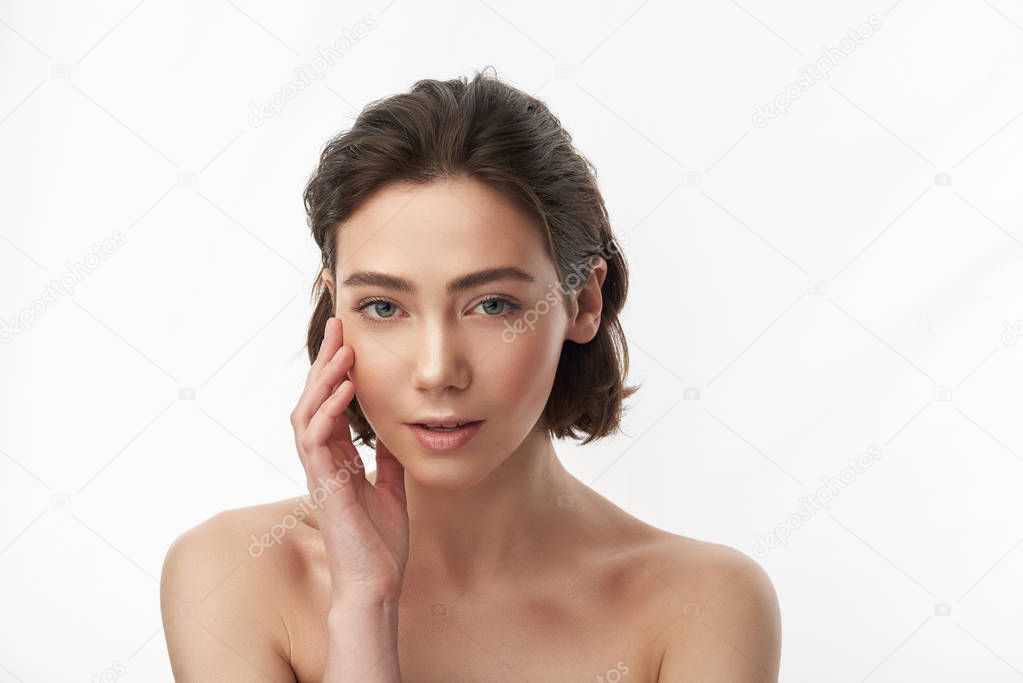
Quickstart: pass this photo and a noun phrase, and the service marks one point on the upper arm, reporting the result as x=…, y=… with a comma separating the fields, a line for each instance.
x=219, y=622
x=734, y=634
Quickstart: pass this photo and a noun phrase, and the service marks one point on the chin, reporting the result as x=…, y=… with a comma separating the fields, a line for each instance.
x=433, y=472
x=457, y=470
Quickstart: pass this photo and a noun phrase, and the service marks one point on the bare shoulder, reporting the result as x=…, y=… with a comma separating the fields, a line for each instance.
x=714, y=608
x=220, y=594
x=726, y=621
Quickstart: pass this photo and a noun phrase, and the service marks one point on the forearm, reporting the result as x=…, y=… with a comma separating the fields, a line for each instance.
x=362, y=643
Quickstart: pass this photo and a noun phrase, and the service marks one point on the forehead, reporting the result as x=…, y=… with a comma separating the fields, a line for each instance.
x=445, y=227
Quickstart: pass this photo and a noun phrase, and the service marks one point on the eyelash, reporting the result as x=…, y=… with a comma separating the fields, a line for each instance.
x=510, y=307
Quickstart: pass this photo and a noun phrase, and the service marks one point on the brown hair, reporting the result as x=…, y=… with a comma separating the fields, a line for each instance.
x=495, y=133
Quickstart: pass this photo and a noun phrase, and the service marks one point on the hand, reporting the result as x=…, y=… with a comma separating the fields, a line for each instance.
x=365, y=526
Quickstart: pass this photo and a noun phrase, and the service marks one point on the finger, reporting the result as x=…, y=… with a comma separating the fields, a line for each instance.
x=313, y=397
x=320, y=385
x=324, y=353
x=390, y=471
x=328, y=448
x=323, y=385
x=333, y=339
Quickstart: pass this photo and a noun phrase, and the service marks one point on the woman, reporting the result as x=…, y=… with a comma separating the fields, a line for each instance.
x=468, y=314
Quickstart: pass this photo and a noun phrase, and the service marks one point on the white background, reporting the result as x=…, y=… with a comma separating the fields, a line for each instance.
x=815, y=283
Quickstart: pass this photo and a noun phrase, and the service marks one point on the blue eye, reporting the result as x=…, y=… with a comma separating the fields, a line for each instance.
x=508, y=305
x=494, y=307
x=376, y=303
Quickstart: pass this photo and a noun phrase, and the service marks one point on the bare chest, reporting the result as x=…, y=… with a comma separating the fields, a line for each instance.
x=573, y=634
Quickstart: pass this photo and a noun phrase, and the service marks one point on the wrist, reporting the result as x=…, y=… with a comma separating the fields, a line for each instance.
x=362, y=637
x=363, y=604
x=363, y=598
x=375, y=621
x=359, y=609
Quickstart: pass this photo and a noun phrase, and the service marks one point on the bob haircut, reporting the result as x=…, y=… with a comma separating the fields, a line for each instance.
x=508, y=139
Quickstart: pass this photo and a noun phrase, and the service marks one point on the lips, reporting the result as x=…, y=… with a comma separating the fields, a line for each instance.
x=443, y=440
x=442, y=425
x=442, y=421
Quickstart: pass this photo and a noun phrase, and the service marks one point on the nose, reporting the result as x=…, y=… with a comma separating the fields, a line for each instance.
x=441, y=361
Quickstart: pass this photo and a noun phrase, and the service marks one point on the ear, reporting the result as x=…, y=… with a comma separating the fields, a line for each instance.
x=328, y=278
x=583, y=326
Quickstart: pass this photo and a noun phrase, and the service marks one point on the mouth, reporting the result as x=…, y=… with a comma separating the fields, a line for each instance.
x=445, y=436
x=443, y=426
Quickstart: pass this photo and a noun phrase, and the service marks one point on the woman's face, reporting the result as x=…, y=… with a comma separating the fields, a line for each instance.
x=485, y=351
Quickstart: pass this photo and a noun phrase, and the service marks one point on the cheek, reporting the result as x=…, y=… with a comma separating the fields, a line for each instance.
x=521, y=372
x=375, y=373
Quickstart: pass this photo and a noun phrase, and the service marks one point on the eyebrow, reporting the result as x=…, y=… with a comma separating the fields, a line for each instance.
x=372, y=278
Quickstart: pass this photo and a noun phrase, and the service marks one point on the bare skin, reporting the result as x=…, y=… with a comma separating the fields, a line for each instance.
x=616, y=591
x=511, y=568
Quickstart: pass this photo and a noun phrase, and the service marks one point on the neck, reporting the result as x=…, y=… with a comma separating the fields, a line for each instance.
x=456, y=536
